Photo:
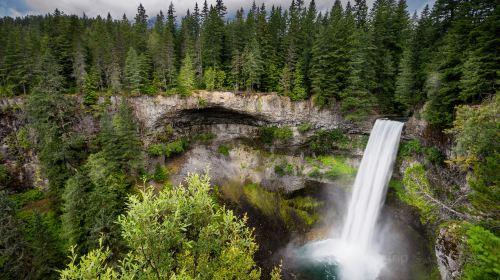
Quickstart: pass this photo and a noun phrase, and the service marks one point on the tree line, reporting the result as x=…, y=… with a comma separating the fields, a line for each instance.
x=368, y=59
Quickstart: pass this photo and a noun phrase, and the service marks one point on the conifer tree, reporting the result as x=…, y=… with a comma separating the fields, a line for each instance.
x=186, y=79
x=252, y=67
x=133, y=72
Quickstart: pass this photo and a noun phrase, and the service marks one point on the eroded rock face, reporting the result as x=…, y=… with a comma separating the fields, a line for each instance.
x=449, y=252
x=257, y=109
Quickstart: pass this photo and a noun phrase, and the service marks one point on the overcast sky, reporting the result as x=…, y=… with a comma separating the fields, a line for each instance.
x=118, y=7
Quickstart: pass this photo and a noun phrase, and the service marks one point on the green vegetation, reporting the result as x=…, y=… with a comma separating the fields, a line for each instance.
x=477, y=129
x=482, y=259
x=324, y=141
x=294, y=212
x=179, y=233
x=417, y=191
x=204, y=137
x=5, y=176
x=284, y=168
x=176, y=147
x=161, y=173
x=224, y=150
x=413, y=148
x=305, y=127
x=330, y=166
x=270, y=134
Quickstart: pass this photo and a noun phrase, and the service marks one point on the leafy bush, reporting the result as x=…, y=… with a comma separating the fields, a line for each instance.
x=176, y=147
x=477, y=130
x=4, y=176
x=180, y=233
x=161, y=173
x=324, y=141
x=483, y=260
x=410, y=148
x=284, y=168
x=24, y=198
x=433, y=155
x=224, y=150
x=270, y=134
x=305, y=127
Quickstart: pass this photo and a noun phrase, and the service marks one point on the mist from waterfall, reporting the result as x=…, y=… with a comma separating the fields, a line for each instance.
x=354, y=255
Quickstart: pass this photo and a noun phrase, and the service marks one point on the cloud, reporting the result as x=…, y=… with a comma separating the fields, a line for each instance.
x=13, y=8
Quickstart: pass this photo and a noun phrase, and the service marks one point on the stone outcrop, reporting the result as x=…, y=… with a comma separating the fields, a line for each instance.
x=449, y=252
x=228, y=107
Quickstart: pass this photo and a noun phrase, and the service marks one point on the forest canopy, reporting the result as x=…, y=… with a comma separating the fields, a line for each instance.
x=378, y=59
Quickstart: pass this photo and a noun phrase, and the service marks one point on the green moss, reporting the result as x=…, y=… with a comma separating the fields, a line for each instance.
x=294, y=212
x=335, y=167
x=204, y=137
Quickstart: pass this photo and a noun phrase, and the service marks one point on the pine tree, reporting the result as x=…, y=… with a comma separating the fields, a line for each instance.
x=133, y=76
x=252, y=67
x=186, y=79
x=212, y=39
x=79, y=71
x=90, y=88
x=298, y=92
x=141, y=29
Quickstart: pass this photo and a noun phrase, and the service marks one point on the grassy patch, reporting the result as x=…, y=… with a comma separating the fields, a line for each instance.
x=330, y=166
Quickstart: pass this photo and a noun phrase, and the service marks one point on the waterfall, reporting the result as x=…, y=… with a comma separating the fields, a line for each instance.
x=353, y=255
x=371, y=183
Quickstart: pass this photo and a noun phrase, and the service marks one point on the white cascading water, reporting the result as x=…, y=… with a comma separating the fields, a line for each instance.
x=371, y=182
x=354, y=253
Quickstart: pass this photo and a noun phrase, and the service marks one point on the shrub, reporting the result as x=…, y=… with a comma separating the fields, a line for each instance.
x=410, y=148
x=270, y=134
x=433, y=155
x=305, y=127
x=483, y=260
x=161, y=173
x=417, y=187
x=284, y=168
x=224, y=150
x=4, y=175
x=24, y=198
x=176, y=147
x=324, y=141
